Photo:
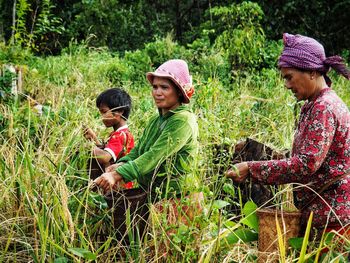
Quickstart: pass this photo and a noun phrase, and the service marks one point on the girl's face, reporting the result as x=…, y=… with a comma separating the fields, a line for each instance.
x=165, y=94
x=109, y=118
x=301, y=83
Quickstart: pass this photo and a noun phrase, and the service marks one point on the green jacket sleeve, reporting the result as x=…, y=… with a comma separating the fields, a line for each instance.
x=174, y=136
x=134, y=153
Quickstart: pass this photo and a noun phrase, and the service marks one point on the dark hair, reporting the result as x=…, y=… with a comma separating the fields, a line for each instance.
x=303, y=70
x=114, y=98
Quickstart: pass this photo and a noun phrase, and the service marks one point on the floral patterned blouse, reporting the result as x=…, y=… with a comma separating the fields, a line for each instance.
x=321, y=152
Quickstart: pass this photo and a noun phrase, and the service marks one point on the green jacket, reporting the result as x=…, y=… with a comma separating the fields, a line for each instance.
x=164, y=151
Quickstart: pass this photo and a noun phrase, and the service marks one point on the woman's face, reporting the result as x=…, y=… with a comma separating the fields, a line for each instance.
x=165, y=94
x=301, y=83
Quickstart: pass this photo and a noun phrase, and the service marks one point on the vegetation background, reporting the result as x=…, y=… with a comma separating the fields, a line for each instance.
x=69, y=51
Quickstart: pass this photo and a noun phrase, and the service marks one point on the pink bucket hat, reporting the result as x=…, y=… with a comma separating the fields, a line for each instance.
x=177, y=71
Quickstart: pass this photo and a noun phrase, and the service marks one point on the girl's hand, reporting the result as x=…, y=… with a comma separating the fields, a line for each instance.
x=239, y=172
x=89, y=134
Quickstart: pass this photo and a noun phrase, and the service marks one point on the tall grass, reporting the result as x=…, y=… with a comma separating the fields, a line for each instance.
x=48, y=213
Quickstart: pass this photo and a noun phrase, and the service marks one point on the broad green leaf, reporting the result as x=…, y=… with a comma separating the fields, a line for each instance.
x=229, y=224
x=82, y=252
x=218, y=204
x=328, y=238
x=251, y=218
x=296, y=242
x=61, y=260
x=229, y=189
x=245, y=235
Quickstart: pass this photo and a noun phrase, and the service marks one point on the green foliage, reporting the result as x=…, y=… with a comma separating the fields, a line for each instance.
x=6, y=79
x=164, y=49
x=117, y=72
x=20, y=30
x=117, y=25
x=250, y=217
x=326, y=21
x=229, y=189
x=50, y=214
x=46, y=29
x=83, y=253
x=243, y=47
x=218, y=204
x=245, y=14
x=50, y=25
x=242, y=38
x=244, y=235
x=138, y=63
x=14, y=54
x=35, y=25
x=207, y=61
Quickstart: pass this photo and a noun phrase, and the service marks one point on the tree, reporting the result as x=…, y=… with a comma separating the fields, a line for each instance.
x=32, y=23
x=327, y=21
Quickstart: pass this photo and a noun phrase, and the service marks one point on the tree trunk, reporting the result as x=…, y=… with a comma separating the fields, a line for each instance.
x=2, y=35
x=178, y=20
x=13, y=21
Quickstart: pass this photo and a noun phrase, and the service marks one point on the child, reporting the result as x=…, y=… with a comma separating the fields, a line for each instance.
x=114, y=105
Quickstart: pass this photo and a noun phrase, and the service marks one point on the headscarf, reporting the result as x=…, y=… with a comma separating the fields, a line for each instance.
x=306, y=53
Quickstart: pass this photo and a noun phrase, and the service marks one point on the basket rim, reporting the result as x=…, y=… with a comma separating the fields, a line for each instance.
x=279, y=211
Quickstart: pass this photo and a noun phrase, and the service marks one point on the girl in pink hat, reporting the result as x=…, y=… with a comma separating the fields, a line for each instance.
x=321, y=147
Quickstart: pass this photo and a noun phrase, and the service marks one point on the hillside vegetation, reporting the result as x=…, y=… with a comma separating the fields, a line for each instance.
x=49, y=214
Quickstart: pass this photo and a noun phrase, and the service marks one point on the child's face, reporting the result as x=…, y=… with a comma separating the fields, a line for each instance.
x=108, y=117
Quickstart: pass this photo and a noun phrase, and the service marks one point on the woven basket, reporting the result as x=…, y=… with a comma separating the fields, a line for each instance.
x=268, y=238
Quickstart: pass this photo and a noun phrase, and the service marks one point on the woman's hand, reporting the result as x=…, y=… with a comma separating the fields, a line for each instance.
x=113, y=167
x=107, y=181
x=239, y=172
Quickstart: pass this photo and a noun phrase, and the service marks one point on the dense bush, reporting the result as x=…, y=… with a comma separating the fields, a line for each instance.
x=327, y=21
x=6, y=79
x=48, y=26
x=242, y=38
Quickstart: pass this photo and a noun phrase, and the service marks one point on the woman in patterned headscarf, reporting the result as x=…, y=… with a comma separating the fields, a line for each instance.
x=321, y=148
